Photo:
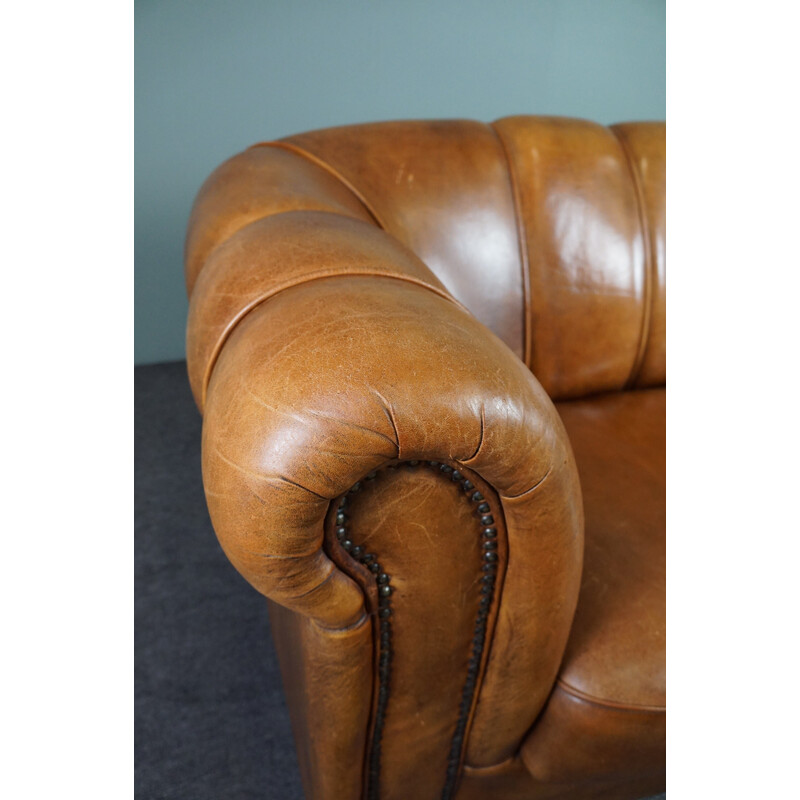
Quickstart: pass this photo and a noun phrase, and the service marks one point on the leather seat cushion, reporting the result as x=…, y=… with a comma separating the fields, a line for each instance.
x=606, y=716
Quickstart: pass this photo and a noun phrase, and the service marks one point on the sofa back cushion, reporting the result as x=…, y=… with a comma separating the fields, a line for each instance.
x=443, y=189
x=590, y=203
x=549, y=230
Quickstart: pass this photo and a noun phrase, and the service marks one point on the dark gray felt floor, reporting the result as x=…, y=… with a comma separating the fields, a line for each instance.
x=211, y=720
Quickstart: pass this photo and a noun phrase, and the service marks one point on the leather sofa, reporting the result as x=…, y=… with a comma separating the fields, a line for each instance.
x=430, y=358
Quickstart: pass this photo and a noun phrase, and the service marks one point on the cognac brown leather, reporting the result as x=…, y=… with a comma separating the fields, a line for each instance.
x=612, y=677
x=368, y=296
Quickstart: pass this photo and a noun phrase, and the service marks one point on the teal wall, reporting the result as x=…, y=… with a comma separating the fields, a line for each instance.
x=215, y=77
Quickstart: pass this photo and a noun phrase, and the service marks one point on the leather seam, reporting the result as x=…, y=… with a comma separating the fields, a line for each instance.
x=343, y=628
x=649, y=260
x=299, y=151
x=522, y=243
x=331, y=572
x=477, y=770
x=222, y=242
x=311, y=277
x=612, y=704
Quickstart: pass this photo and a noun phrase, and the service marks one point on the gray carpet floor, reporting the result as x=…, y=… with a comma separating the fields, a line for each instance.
x=211, y=719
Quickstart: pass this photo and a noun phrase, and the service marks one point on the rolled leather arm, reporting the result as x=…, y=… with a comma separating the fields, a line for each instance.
x=320, y=349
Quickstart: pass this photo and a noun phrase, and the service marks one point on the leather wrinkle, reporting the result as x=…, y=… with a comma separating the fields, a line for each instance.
x=649, y=260
x=467, y=461
x=389, y=411
x=532, y=488
x=317, y=414
x=331, y=574
x=350, y=424
x=299, y=151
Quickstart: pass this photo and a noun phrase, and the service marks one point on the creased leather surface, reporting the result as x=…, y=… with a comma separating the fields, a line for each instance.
x=327, y=381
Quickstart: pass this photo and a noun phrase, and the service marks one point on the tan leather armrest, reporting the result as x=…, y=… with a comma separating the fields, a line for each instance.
x=327, y=350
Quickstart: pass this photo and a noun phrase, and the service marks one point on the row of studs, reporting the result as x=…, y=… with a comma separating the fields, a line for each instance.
x=370, y=561
x=488, y=581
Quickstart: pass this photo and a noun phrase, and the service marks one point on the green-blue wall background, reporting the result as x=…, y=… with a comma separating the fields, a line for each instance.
x=215, y=77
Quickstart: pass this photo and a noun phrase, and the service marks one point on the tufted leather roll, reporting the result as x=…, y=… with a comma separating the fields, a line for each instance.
x=370, y=297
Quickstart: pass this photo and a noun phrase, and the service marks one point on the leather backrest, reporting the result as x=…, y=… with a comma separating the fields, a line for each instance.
x=443, y=189
x=549, y=230
x=590, y=201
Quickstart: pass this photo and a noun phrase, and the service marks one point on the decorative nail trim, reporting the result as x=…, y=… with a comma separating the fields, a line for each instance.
x=385, y=590
x=385, y=653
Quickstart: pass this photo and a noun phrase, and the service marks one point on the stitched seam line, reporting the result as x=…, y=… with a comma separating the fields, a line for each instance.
x=522, y=243
x=313, y=276
x=299, y=151
x=649, y=260
x=597, y=701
